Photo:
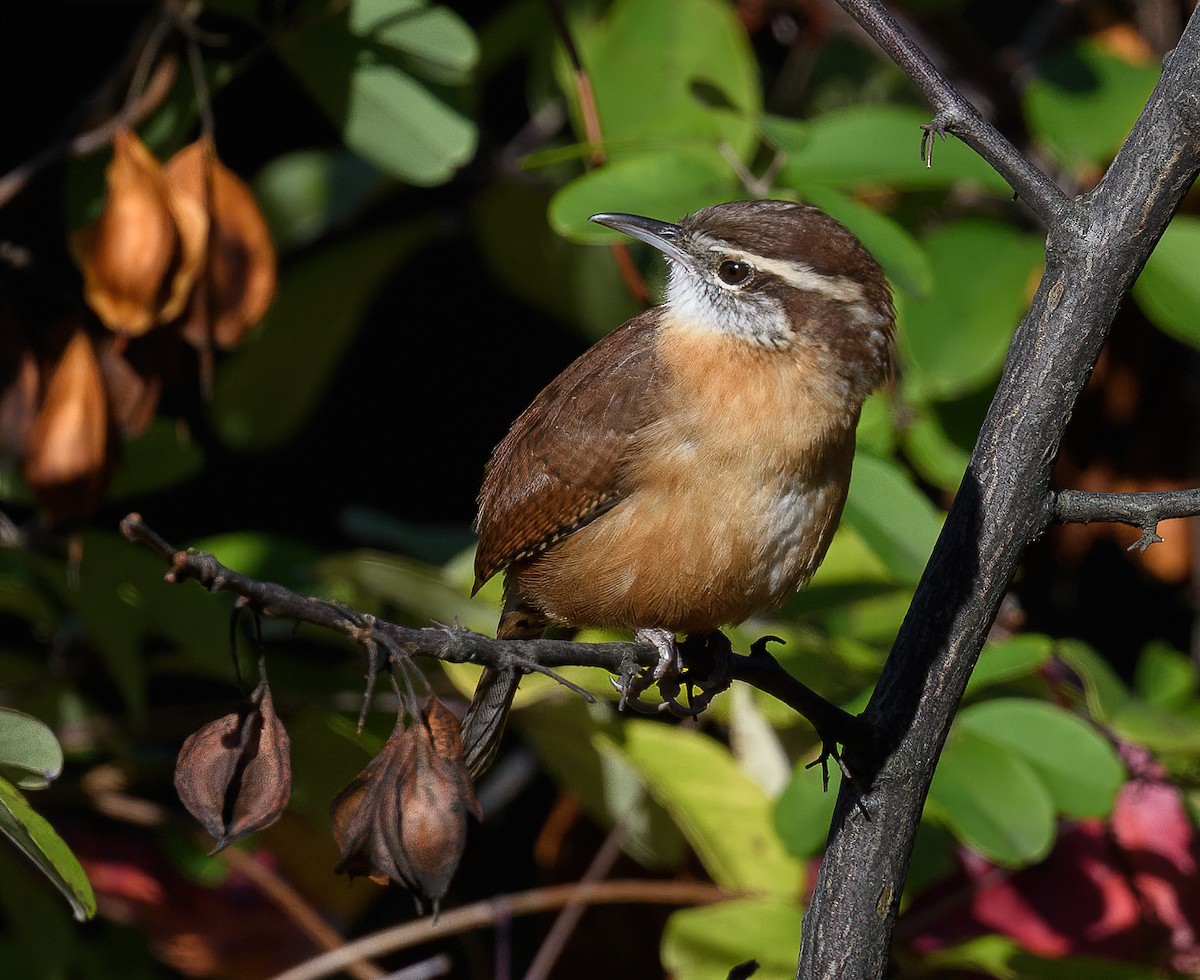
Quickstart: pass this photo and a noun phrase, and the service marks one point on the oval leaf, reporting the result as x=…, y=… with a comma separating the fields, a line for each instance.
x=957, y=336
x=1077, y=764
x=36, y=839
x=992, y=800
x=1168, y=290
x=706, y=943
x=700, y=784
x=30, y=755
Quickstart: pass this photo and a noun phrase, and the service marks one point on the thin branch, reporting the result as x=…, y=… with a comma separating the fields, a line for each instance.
x=482, y=914
x=163, y=77
x=955, y=114
x=456, y=644
x=1140, y=510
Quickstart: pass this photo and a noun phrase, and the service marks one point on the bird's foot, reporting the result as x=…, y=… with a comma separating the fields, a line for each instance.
x=668, y=675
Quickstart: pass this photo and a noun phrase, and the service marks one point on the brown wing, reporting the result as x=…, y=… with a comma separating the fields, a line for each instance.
x=558, y=467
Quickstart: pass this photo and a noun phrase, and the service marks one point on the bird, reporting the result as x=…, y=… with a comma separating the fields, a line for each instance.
x=688, y=470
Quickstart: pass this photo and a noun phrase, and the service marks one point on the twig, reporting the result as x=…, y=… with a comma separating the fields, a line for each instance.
x=455, y=644
x=1140, y=510
x=15, y=181
x=481, y=914
x=556, y=939
x=104, y=787
x=955, y=114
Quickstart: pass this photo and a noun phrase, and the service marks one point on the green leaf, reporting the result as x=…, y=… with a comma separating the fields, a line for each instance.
x=439, y=44
x=383, y=113
x=268, y=389
x=706, y=943
x=1018, y=656
x=699, y=783
x=1084, y=100
x=161, y=457
x=957, y=336
x=1165, y=677
x=895, y=249
x=934, y=454
x=1157, y=729
x=308, y=193
x=878, y=144
x=1002, y=956
x=1168, y=290
x=992, y=800
x=656, y=67
x=1104, y=692
x=36, y=839
x=575, y=743
x=804, y=810
x=664, y=184
x=1078, y=766
x=30, y=755
x=895, y=519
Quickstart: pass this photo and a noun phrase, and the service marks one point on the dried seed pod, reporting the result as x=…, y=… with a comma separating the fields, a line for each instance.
x=130, y=255
x=70, y=449
x=20, y=382
x=234, y=775
x=238, y=279
x=404, y=817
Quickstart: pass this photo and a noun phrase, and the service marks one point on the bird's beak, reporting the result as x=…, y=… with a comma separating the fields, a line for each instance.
x=663, y=235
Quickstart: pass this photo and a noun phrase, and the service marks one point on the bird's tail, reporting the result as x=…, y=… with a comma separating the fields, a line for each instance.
x=483, y=724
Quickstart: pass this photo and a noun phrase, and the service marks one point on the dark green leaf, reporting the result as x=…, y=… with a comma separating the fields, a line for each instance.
x=1168, y=289
x=706, y=943
x=1084, y=99
x=992, y=800
x=267, y=390
x=37, y=841
x=30, y=755
x=159, y=458
x=384, y=114
x=1078, y=766
x=439, y=43
x=931, y=450
x=804, y=810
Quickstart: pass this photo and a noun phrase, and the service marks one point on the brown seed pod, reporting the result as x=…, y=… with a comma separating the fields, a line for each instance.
x=70, y=449
x=237, y=281
x=404, y=817
x=131, y=254
x=234, y=775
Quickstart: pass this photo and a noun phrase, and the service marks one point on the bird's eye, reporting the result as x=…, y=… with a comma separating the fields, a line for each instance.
x=734, y=272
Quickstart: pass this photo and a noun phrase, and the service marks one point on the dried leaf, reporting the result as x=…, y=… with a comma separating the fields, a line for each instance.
x=234, y=775
x=130, y=255
x=20, y=379
x=238, y=280
x=69, y=455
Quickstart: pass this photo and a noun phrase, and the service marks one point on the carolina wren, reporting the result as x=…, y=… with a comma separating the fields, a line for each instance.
x=688, y=470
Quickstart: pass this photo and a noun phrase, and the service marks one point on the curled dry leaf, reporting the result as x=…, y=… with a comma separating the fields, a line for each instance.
x=20, y=381
x=132, y=254
x=404, y=817
x=235, y=774
x=70, y=450
x=238, y=278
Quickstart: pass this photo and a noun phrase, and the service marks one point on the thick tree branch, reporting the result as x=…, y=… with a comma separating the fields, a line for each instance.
x=955, y=114
x=455, y=644
x=1140, y=510
x=1096, y=249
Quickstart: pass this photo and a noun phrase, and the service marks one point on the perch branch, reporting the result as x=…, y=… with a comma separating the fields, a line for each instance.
x=1140, y=510
x=456, y=644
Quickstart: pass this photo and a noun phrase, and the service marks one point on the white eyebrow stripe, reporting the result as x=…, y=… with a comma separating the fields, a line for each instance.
x=800, y=276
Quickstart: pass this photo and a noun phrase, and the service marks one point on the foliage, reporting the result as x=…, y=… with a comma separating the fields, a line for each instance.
x=436, y=267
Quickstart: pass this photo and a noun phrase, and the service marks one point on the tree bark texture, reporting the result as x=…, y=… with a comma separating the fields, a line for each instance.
x=1095, y=249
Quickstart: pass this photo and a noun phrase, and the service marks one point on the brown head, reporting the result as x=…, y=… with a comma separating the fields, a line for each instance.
x=780, y=275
